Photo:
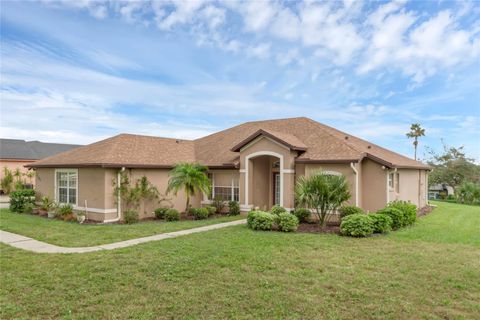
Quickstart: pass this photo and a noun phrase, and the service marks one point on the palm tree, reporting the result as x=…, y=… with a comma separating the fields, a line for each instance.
x=191, y=177
x=416, y=131
x=322, y=192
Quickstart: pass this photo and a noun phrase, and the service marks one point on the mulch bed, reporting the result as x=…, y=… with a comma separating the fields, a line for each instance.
x=315, y=228
x=424, y=211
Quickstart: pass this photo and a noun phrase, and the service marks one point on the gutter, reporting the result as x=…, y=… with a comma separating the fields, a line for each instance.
x=119, y=199
x=356, y=182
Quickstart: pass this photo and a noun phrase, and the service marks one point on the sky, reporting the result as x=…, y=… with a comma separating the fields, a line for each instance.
x=81, y=71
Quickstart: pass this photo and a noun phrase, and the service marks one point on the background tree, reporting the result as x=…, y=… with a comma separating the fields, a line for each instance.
x=452, y=167
x=324, y=193
x=191, y=177
x=7, y=181
x=416, y=131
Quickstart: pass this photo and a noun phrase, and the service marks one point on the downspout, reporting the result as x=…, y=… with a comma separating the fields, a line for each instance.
x=356, y=182
x=119, y=199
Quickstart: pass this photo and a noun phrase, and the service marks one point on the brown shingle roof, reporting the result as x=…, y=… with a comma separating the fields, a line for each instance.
x=322, y=144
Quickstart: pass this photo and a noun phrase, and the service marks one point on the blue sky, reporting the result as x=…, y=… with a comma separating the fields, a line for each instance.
x=82, y=71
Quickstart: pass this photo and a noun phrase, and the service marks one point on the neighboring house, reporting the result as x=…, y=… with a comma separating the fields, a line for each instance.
x=440, y=191
x=15, y=154
x=255, y=163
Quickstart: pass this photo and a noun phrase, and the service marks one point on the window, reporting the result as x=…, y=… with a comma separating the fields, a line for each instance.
x=66, y=186
x=390, y=181
x=397, y=183
x=227, y=190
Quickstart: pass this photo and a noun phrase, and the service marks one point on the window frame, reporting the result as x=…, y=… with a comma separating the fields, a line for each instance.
x=56, y=191
x=391, y=181
x=234, y=186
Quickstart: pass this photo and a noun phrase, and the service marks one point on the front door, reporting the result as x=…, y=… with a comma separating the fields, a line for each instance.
x=276, y=188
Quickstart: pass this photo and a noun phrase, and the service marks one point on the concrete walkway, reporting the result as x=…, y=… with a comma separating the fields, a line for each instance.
x=29, y=244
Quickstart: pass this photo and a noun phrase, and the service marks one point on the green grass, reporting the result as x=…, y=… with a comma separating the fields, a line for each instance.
x=239, y=273
x=449, y=223
x=72, y=234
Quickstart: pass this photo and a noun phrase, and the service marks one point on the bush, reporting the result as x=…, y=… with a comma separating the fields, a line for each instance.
x=191, y=211
x=357, y=225
x=28, y=208
x=172, y=215
x=302, y=214
x=47, y=203
x=250, y=217
x=394, y=214
x=130, y=216
x=201, y=213
x=262, y=221
x=18, y=199
x=219, y=204
x=211, y=210
x=160, y=213
x=233, y=208
x=408, y=209
x=64, y=210
x=381, y=223
x=276, y=209
x=348, y=210
x=287, y=222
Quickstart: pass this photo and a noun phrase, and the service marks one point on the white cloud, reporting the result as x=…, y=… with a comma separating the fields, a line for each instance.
x=261, y=51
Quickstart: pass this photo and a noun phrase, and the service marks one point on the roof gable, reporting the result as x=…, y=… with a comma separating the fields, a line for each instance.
x=285, y=139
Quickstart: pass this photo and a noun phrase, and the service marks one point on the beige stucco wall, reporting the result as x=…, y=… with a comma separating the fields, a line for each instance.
x=260, y=175
x=373, y=186
x=412, y=186
x=344, y=169
x=13, y=165
x=45, y=183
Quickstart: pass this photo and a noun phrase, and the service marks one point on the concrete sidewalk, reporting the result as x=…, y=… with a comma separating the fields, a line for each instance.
x=33, y=245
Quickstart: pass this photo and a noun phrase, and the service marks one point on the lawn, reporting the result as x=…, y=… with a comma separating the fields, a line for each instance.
x=72, y=234
x=239, y=273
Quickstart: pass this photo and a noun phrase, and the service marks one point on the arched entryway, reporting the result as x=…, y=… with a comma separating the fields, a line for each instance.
x=264, y=179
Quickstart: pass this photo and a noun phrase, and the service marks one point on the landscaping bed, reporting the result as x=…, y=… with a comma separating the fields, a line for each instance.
x=313, y=227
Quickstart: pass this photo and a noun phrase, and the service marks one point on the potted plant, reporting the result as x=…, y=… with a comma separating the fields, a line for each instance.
x=52, y=211
x=80, y=216
x=46, y=206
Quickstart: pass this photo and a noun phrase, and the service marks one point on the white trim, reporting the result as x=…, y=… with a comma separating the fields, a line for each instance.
x=68, y=187
x=264, y=153
x=332, y=173
x=289, y=209
x=352, y=165
x=96, y=210
x=388, y=186
x=288, y=170
x=251, y=143
x=242, y=171
x=206, y=202
x=245, y=207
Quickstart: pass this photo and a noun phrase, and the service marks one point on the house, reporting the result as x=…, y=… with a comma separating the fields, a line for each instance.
x=440, y=191
x=15, y=154
x=255, y=163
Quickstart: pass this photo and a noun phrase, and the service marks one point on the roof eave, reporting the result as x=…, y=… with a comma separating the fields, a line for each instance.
x=261, y=132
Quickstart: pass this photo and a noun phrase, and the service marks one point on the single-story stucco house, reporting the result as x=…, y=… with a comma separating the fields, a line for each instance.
x=255, y=163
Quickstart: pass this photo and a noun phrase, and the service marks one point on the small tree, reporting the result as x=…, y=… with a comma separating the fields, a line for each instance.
x=416, y=131
x=7, y=180
x=324, y=193
x=191, y=177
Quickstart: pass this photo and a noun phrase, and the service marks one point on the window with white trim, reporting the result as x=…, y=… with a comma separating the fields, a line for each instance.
x=225, y=192
x=397, y=183
x=390, y=180
x=66, y=182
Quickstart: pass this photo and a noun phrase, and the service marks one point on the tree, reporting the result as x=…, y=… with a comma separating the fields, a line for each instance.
x=452, y=167
x=468, y=192
x=191, y=177
x=416, y=131
x=7, y=181
x=323, y=192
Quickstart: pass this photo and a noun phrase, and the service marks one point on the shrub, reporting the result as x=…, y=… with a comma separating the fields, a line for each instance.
x=287, y=222
x=18, y=199
x=381, y=223
x=408, y=209
x=219, y=204
x=262, y=221
x=277, y=209
x=250, y=217
x=201, y=213
x=233, y=208
x=211, y=210
x=160, y=213
x=64, y=210
x=130, y=216
x=47, y=203
x=191, y=211
x=394, y=214
x=348, y=210
x=28, y=208
x=172, y=215
x=302, y=214
x=357, y=225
